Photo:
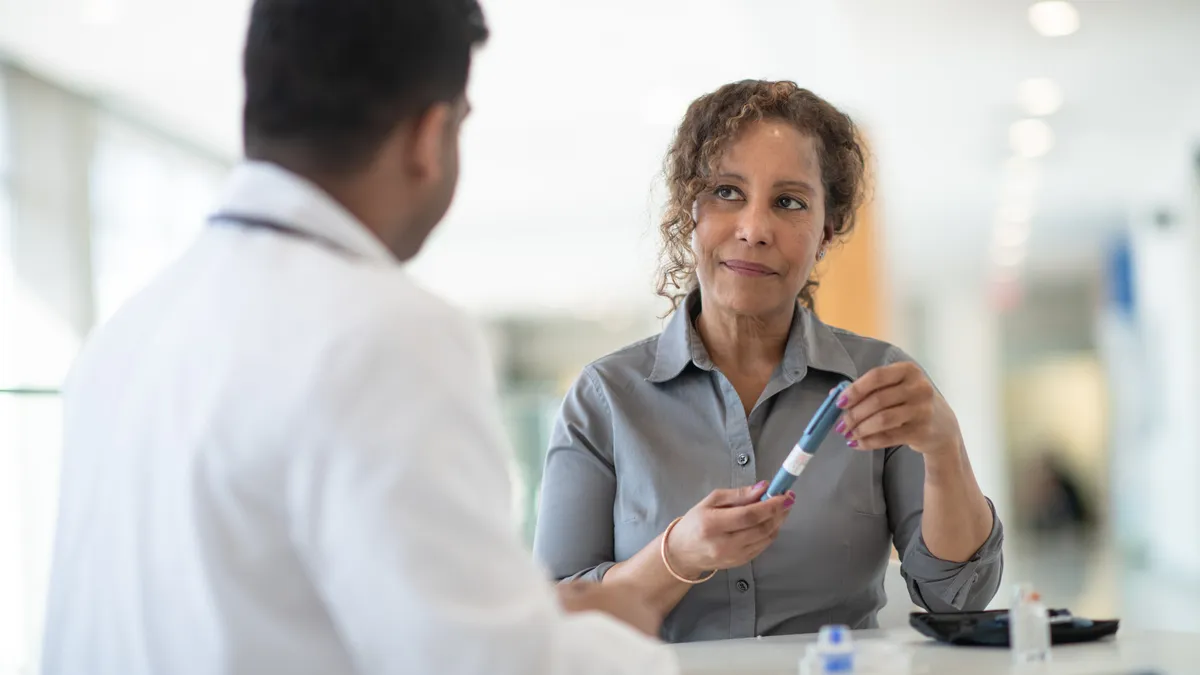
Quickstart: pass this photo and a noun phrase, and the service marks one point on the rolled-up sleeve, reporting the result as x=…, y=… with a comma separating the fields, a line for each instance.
x=935, y=584
x=574, y=536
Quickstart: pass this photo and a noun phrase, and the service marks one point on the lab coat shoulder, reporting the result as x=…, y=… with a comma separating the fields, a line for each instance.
x=399, y=364
x=392, y=328
x=399, y=397
x=402, y=507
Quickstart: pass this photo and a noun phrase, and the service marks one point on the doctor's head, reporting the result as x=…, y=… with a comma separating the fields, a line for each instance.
x=366, y=99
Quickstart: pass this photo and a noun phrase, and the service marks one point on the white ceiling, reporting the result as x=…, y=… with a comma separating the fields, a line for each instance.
x=575, y=104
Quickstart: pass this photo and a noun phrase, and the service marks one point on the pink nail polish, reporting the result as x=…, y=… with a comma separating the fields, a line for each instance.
x=760, y=484
x=841, y=427
x=787, y=503
x=853, y=444
x=842, y=401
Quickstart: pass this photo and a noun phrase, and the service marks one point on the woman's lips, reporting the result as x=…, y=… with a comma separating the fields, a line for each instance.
x=748, y=269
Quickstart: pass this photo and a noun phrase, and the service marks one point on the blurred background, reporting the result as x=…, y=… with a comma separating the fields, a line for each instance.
x=1033, y=237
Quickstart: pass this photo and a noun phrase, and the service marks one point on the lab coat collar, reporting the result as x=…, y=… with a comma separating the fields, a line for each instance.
x=270, y=192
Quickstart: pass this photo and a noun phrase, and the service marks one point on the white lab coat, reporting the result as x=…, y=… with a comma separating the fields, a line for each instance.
x=281, y=458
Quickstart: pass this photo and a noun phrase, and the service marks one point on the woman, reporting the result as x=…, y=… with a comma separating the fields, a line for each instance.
x=663, y=449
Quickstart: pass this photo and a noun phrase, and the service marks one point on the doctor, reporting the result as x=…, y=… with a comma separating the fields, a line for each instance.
x=285, y=457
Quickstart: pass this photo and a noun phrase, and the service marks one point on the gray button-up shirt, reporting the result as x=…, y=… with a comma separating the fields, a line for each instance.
x=649, y=431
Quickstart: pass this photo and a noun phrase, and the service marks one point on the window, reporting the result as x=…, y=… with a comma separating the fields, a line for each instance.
x=104, y=206
x=149, y=198
x=29, y=428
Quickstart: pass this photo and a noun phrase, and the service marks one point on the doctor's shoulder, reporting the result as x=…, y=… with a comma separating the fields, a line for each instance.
x=388, y=316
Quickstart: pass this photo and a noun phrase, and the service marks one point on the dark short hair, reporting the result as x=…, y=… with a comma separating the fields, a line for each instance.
x=332, y=78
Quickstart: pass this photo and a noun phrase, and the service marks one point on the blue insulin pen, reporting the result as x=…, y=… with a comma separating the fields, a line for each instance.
x=814, y=434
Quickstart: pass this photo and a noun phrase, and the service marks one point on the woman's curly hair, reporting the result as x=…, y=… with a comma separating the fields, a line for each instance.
x=711, y=123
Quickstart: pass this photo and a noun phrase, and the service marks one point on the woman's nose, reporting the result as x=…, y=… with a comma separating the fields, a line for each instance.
x=754, y=227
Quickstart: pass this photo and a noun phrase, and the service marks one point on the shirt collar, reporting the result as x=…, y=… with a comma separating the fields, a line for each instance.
x=270, y=192
x=810, y=343
x=678, y=343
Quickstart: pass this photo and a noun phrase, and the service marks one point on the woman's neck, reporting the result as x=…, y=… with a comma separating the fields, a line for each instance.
x=744, y=344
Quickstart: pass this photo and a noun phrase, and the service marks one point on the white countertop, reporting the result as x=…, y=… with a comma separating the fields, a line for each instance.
x=1128, y=653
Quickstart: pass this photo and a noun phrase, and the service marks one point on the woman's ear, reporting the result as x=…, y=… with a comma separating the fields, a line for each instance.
x=824, y=246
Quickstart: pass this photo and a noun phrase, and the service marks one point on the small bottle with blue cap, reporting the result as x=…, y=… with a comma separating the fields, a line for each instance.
x=835, y=649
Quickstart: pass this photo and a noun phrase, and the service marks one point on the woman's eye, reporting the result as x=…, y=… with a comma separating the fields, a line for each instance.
x=791, y=204
x=727, y=193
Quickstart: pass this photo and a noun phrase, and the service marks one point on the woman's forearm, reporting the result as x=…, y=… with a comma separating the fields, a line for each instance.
x=646, y=573
x=957, y=520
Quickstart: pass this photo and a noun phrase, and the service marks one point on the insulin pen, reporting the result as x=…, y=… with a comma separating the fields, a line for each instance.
x=814, y=433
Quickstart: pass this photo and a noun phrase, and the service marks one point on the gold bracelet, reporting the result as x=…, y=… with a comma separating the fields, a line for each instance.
x=663, y=550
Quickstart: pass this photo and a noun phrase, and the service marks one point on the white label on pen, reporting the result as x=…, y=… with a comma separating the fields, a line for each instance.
x=795, y=461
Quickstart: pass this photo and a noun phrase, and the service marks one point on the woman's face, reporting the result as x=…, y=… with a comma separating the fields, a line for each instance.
x=758, y=231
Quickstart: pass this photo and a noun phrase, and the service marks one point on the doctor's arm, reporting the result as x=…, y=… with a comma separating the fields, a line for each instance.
x=400, y=504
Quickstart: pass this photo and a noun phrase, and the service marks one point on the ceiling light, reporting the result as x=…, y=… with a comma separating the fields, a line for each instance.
x=1039, y=96
x=1015, y=212
x=1008, y=256
x=1054, y=18
x=1020, y=189
x=100, y=12
x=1012, y=236
x=1030, y=138
x=1021, y=177
x=1021, y=168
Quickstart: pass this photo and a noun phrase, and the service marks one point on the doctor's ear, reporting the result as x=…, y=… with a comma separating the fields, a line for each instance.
x=429, y=139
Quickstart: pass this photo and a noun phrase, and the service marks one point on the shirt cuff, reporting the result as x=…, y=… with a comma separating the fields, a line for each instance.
x=956, y=585
x=595, y=574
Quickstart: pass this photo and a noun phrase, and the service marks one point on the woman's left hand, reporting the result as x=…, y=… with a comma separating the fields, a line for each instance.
x=898, y=405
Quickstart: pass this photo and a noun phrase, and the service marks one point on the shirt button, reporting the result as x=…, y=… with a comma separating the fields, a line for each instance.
x=743, y=585
x=743, y=459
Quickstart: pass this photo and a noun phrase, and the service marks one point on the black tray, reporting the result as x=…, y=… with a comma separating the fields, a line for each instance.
x=990, y=628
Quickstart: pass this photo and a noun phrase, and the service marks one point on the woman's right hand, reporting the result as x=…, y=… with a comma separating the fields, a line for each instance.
x=728, y=528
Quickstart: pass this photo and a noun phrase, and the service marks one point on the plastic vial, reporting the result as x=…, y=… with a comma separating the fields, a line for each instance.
x=1028, y=627
x=835, y=648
